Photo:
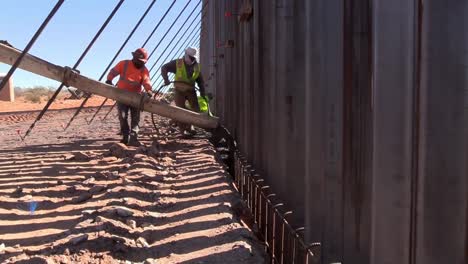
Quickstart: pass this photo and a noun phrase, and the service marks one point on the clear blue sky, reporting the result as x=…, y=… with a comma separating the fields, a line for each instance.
x=76, y=23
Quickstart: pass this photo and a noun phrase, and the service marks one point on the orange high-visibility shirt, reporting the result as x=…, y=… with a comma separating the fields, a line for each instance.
x=131, y=78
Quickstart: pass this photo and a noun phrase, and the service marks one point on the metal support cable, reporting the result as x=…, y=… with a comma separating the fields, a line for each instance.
x=115, y=103
x=148, y=9
x=178, y=31
x=179, y=41
x=165, y=89
x=169, y=29
x=160, y=41
x=30, y=44
x=158, y=24
x=181, y=48
x=85, y=52
x=162, y=53
x=203, y=16
x=152, y=52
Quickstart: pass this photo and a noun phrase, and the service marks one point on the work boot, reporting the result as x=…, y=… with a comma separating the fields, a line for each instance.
x=133, y=141
x=124, y=140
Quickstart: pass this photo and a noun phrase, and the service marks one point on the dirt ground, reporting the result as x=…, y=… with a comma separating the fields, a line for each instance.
x=21, y=104
x=77, y=196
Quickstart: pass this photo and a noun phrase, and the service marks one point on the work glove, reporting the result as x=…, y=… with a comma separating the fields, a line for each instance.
x=109, y=82
x=150, y=93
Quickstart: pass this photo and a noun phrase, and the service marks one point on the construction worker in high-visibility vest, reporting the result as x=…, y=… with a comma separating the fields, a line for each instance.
x=187, y=73
x=133, y=75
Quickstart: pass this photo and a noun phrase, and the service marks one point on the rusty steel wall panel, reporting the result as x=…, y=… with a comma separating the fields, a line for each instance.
x=394, y=81
x=352, y=113
x=443, y=182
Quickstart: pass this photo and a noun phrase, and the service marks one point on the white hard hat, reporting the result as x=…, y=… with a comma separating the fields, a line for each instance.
x=191, y=51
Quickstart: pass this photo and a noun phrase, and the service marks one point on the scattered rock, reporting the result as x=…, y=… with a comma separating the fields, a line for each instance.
x=109, y=159
x=150, y=261
x=68, y=156
x=99, y=219
x=2, y=248
x=125, y=180
x=71, y=189
x=119, y=150
x=88, y=212
x=164, y=173
x=145, y=225
x=97, y=189
x=89, y=180
x=120, y=248
x=154, y=149
x=131, y=223
x=142, y=242
x=107, y=175
x=84, y=197
x=81, y=156
x=123, y=211
x=79, y=239
x=66, y=252
x=239, y=208
x=243, y=245
x=118, y=239
x=141, y=150
x=156, y=195
x=59, y=182
x=18, y=191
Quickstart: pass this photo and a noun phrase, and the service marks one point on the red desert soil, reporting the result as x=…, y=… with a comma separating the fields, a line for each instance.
x=21, y=104
x=77, y=196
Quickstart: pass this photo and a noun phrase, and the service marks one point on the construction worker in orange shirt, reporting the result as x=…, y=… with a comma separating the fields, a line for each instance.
x=133, y=75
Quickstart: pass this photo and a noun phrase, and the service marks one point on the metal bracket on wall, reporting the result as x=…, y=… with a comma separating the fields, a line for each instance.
x=245, y=12
x=225, y=44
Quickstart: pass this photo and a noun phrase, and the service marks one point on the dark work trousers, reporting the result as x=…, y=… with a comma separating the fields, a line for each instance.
x=123, y=119
x=180, y=98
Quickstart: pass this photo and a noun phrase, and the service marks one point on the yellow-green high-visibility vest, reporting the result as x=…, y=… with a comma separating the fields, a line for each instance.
x=181, y=73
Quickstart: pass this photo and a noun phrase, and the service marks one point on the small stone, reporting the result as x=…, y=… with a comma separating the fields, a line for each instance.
x=81, y=156
x=118, y=239
x=59, y=182
x=145, y=225
x=88, y=212
x=66, y=252
x=99, y=219
x=89, y=181
x=82, y=198
x=119, y=150
x=120, y=248
x=164, y=173
x=97, y=189
x=109, y=159
x=71, y=189
x=150, y=261
x=123, y=211
x=2, y=248
x=131, y=223
x=141, y=241
x=18, y=191
x=79, y=239
x=68, y=156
